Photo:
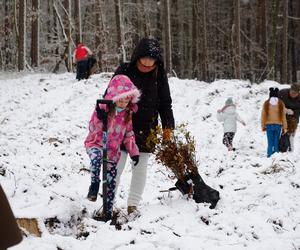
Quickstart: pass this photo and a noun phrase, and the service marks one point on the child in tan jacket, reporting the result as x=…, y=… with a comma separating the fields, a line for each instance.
x=273, y=120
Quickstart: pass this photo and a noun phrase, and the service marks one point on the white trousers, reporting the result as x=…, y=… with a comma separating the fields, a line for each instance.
x=138, y=178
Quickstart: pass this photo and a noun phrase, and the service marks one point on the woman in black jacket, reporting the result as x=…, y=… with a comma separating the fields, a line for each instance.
x=146, y=71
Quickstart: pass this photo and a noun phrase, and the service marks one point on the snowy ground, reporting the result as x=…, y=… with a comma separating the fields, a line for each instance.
x=43, y=123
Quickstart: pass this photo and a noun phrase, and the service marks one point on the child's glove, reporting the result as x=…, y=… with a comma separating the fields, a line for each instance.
x=135, y=159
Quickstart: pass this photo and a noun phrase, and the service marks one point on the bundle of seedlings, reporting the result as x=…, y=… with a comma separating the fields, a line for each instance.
x=178, y=155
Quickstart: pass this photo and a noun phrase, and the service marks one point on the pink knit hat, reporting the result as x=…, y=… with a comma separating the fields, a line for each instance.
x=119, y=87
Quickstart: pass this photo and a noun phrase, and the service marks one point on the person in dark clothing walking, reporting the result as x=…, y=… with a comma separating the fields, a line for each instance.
x=80, y=58
x=146, y=71
x=10, y=234
x=291, y=100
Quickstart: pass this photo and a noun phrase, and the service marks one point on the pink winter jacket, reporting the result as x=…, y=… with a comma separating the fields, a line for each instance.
x=118, y=131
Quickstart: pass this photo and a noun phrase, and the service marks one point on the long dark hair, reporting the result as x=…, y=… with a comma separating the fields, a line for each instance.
x=280, y=105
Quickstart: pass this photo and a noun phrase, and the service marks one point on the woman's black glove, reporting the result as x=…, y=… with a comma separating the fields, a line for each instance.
x=135, y=159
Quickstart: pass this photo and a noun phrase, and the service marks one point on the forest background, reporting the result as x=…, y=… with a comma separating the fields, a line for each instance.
x=201, y=39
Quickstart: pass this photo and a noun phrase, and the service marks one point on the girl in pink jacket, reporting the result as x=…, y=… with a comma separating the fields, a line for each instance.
x=119, y=130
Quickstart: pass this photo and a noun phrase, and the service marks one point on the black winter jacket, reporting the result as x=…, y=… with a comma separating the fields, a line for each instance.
x=155, y=99
x=290, y=103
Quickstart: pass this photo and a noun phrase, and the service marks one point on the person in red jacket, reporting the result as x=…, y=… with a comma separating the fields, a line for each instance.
x=80, y=58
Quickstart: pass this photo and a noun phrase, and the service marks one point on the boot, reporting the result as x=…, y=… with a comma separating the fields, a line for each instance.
x=93, y=191
x=203, y=192
x=133, y=213
x=131, y=209
x=182, y=186
x=101, y=216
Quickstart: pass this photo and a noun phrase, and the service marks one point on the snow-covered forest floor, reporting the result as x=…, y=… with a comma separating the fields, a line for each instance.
x=43, y=123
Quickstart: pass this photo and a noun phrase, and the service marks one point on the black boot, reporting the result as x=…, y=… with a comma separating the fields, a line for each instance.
x=201, y=191
x=93, y=191
x=100, y=216
x=182, y=186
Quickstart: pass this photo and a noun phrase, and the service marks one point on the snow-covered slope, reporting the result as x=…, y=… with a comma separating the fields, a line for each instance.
x=43, y=123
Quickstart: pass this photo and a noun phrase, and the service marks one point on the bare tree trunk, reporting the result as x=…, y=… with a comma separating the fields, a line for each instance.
x=216, y=43
x=195, y=41
x=175, y=20
x=98, y=22
x=77, y=10
x=168, y=42
x=181, y=38
x=58, y=21
x=7, y=33
x=133, y=13
x=35, y=34
x=249, y=72
x=50, y=14
x=145, y=20
x=158, y=22
x=261, y=38
x=285, y=43
x=68, y=28
x=100, y=36
x=49, y=28
x=137, y=27
x=204, y=47
x=120, y=40
x=237, y=40
x=293, y=51
x=22, y=37
x=189, y=40
x=275, y=9
x=297, y=36
x=55, y=35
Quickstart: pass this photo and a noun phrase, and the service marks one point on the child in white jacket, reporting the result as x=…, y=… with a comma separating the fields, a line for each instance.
x=229, y=117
